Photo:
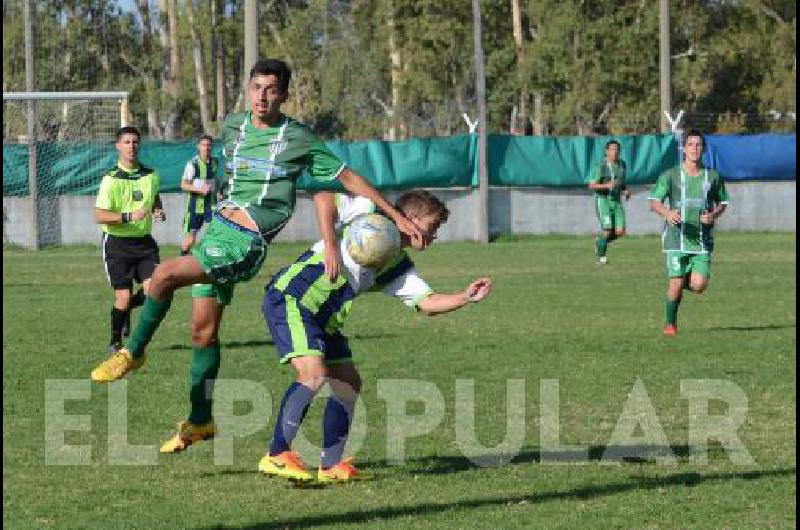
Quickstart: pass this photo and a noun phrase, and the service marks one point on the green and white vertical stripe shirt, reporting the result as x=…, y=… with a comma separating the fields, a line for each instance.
x=691, y=195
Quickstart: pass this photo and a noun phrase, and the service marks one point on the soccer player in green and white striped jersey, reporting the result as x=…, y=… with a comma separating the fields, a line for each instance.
x=697, y=198
x=265, y=153
x=608, y=183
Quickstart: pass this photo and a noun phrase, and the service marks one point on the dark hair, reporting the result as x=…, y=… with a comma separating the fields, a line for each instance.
x=206, y=137
x=612, y=142
x=422, y=202
x=274, y=67
x=128, y=130
x=694, y=132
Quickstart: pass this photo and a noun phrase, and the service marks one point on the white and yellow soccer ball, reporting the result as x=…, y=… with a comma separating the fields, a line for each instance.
x=372, y=240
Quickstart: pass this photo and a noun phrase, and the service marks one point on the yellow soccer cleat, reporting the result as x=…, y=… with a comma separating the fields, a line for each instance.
x=188, y=433
x=344, y=471
x=116, y=366
x=286, y=465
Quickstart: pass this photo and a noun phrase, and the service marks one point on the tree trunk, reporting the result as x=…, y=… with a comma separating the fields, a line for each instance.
x=147, y=74
x=538, y=123
x=521, y=121
x=199, y=69
x=219, y=64
x=170, y=78
x=396, y=65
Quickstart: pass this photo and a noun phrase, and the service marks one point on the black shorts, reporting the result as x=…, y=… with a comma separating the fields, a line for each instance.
x=129, y=259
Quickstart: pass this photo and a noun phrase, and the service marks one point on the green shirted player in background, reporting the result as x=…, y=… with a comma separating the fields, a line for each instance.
x=697, y=197
x=265, y=153
x=608, y=182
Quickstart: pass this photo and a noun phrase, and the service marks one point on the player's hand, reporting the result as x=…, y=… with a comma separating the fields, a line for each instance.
x=612, y=184
x=333, y=260
x=627, y=194
x=410, y=229
x=139, y=214
x=478, y=290
x=673, y=217
x=707, y=218
x=159, y=214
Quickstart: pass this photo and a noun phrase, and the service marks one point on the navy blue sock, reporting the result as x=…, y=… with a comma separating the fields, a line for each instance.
x=335, y=428
x=294, y=406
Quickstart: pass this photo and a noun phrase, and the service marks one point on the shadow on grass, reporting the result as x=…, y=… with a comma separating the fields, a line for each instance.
x=582, y=493
x=234, y=344
x=258, y=343
x=765, y=327
x=443, y=465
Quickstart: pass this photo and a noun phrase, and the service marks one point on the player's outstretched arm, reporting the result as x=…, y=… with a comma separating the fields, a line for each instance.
x=327, y=214
x=437, y=303
x=358, y=185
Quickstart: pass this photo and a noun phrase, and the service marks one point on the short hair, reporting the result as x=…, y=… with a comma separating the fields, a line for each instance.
x=612, y=142
x=274, y=67
x=128, y=130
x=422, y=202
x=205, y=137
x=694, y=132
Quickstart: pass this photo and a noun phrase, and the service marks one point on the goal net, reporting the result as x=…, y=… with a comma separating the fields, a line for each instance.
x=55, y=144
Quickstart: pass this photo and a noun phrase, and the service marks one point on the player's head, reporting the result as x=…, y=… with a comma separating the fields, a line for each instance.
x=204, y=146
x=612, y=150
x=693, y=145
x=127, y=144
x=426, y=211
x=268, y=87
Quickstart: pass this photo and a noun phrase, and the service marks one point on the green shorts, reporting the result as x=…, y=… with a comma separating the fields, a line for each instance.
x=682, y=263
x=223, y=292
x=610, y=213
x=230, y=253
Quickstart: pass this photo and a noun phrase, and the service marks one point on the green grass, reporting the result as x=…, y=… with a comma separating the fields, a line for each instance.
x=553, y=315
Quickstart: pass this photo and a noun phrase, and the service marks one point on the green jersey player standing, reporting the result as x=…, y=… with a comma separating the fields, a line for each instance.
x=608, y=183
x=265, y=153
x=697, y=198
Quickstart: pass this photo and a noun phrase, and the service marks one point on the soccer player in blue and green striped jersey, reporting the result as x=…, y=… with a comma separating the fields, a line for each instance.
x=199, y=181
x=697, y=198
x=305, y=310
x=265, y=153
x=608, y=183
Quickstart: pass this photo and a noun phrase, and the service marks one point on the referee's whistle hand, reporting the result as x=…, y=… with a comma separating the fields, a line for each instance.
x=139, y=214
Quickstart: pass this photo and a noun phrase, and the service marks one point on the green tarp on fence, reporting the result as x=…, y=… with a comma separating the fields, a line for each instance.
x=69, y=168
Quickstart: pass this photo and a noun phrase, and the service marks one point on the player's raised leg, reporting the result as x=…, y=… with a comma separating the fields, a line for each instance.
x=168, y=276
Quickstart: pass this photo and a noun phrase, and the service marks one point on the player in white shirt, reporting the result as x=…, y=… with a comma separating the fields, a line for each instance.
x=305, y=310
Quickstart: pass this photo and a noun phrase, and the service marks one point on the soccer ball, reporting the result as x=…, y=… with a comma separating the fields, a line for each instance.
x=372, y=240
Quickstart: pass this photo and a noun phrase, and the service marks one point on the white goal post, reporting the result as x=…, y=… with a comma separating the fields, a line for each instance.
x=56, y=135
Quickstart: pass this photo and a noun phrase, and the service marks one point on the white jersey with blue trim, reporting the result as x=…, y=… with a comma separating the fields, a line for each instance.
x=407, y=285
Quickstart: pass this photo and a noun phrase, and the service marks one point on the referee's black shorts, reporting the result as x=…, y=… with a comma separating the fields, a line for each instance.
x=129, y=259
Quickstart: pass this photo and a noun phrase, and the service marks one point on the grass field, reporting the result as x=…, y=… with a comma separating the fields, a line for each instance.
x=553, y=315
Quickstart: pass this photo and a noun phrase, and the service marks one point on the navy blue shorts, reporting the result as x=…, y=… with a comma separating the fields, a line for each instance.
x=297, y=333
x=195, y=221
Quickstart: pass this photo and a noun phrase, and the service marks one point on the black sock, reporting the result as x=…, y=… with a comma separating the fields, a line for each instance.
x=137, y=300
x=118, y=318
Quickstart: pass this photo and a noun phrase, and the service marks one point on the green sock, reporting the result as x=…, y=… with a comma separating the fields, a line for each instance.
x=205, y=366
x=671, y=311
x=153, y=312
x=602, y=245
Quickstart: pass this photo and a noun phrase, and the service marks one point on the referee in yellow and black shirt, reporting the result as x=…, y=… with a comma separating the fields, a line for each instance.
x=127, y=202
